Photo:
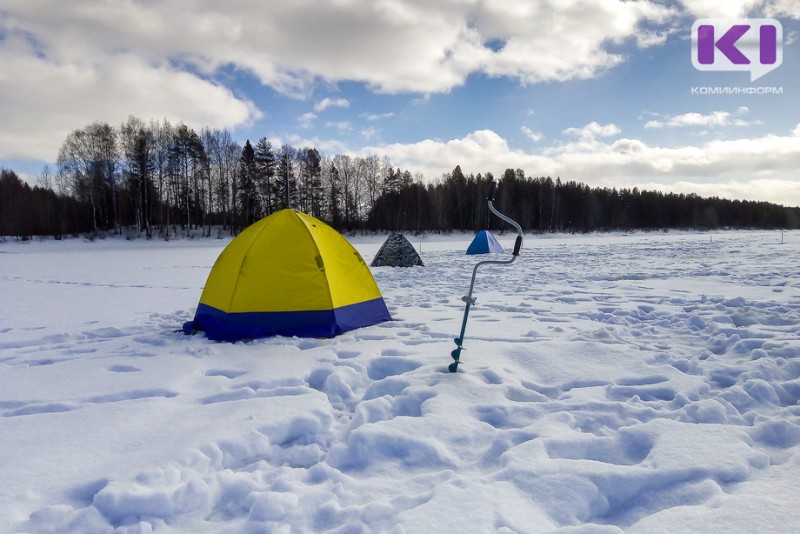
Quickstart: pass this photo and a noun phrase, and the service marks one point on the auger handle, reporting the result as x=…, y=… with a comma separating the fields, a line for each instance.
x=517, y=246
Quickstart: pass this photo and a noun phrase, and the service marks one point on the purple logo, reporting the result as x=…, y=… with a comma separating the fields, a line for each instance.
x=754, y=45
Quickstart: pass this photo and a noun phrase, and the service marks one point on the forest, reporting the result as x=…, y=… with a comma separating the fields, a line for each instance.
x=156, y=179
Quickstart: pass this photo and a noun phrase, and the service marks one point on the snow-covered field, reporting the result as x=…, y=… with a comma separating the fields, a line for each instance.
x=636, y=383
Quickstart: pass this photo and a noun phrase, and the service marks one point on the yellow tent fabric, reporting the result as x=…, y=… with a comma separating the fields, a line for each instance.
x=288, y=274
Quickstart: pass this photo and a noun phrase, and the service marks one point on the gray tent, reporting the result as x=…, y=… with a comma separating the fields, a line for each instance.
x=397, y=251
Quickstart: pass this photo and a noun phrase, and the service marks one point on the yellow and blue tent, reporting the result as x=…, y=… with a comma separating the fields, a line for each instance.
x=288, y=274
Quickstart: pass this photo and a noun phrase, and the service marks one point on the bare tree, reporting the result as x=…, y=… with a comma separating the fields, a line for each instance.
x=162, y=137
x=138, y=146
x=45, y=179
x=88, y=160
x=345, y=171
x=332, y=192
x=373, y=181
x=230, y=161
x=187, y=165
x=104, y=144
x=222, y=161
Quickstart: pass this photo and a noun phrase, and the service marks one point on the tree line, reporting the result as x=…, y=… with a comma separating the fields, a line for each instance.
x=541, y=204
x=159, y=179
x=163, y=179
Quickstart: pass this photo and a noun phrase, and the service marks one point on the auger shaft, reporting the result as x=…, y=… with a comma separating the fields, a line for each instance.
x=468, y=298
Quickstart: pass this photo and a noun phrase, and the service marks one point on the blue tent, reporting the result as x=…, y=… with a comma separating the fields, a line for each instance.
x=484, y=243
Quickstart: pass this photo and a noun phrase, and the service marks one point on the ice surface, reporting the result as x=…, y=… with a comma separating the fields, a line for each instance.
x=637, y=383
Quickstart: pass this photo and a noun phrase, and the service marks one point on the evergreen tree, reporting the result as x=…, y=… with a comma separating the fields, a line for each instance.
x=285, y=186
x=248, y=189
x=266, y=163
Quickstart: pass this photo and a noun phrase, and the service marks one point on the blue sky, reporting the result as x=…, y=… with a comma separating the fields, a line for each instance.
x=597, y=91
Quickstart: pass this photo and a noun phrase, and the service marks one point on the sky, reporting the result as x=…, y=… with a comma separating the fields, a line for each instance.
x=604, y=92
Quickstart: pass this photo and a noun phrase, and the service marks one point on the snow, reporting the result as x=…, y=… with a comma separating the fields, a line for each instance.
x=643, y=383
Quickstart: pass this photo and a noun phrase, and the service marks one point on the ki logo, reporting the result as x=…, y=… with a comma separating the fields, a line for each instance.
x=754, y=45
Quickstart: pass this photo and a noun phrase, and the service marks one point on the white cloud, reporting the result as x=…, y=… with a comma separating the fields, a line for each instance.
x=718, y=9
x=765, y=190
x=479, y=151
x=594, y=130
x=326, y=103
x=342, y=126
x=106, y=60
x=763, y=168
x=326, y=147
x=648, y=39
x=742, y=8
x=692, y=119
x=787, y=8
x=306, y=119
x=553, y=40
x=47, y=97
x=376, y=116
x=534, y=136
x=369, y=133
x=392, y=46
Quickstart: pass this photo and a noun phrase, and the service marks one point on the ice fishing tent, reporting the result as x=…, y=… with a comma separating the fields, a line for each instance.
x=484, y=243
x=288, y=274
x=396, y=251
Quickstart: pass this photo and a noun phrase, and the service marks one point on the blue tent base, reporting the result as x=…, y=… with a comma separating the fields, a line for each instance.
x=221, y=326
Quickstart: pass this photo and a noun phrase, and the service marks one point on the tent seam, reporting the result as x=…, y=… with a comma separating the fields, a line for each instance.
x=324, y=270
x=241, y=264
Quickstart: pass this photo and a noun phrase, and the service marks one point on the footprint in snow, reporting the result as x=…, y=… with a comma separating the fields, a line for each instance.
x=41, y=408
x=626, y=447
x=227, y=373
x=123, y=369
x=347, y=354
x=490, y=377
x=384, y=367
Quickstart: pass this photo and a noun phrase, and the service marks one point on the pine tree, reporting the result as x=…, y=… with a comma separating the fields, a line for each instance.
x=266, y=163
x=248, y=194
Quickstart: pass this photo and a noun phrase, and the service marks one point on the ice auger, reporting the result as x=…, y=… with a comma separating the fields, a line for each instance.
x=468, y=298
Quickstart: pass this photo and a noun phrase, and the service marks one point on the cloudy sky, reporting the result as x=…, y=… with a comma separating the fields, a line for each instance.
x=598, y=91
